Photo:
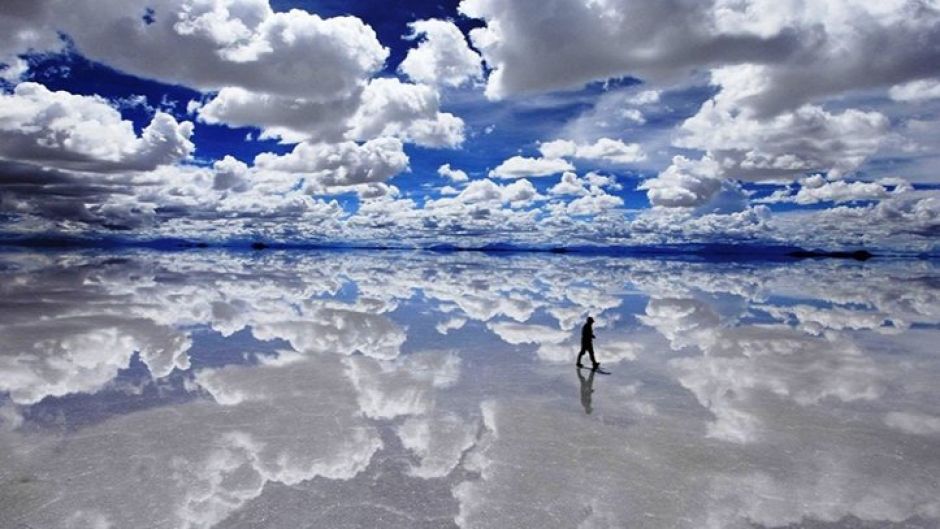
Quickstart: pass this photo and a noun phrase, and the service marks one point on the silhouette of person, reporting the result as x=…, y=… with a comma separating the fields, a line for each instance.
x=587, y=387
x=587, y=343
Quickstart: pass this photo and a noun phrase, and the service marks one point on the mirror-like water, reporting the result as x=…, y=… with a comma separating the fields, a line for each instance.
x=353, y=389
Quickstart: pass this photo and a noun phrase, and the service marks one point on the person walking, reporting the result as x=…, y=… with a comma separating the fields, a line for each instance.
x=587, y=343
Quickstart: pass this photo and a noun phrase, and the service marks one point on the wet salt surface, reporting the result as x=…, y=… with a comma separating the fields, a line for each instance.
x=356, y=389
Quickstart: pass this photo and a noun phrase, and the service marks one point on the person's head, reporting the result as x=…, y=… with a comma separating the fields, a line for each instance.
x=590, y=319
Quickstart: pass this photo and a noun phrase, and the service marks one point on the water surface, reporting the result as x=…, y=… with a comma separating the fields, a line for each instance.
x=290, y=390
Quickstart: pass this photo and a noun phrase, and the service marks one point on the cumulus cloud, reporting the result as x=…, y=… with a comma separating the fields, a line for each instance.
x=230, y=174
x=812, y=51
x=814, y=189
x=286, y=118
x=682, y=224
x=593, y=204
x=569, y=184
x=793, y=93
x=84, y=133
x=406, y=111
x=455, y=175
x=916, y=91
x=383, y=107
x=340, y=165
x=23, y=31
x=605, y=150
x=212, y=45
x=592, y=198
x=910, y=221
x=613, y=151
x=645, y=97
x=521, y=167
x=519, y=192
x=442, y=57
x=603, y=40
x=685, y=183
x=807, y=139
x=294, y=74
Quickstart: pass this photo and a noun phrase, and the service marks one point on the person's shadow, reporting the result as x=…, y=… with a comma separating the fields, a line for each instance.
x=587, y=387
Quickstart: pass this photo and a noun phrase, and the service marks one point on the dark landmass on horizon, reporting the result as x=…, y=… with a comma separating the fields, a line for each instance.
x=711, y=251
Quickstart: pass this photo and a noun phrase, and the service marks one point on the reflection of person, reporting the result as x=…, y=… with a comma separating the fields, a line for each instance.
x=587, y=387
x=587, y=343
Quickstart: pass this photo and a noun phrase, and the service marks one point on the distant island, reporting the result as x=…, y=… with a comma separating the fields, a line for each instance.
x=858, y=255
x=706, y=251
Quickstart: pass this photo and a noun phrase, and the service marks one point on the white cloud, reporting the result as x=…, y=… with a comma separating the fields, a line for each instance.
x=599, y=180
x=455, y=175
x=406, y=111
x=481, y=191
x=593, y=200
x=812, y=50
x=814, y=189
x=916, y=91
x=602, y=40
x=795, y=93
x=604, y=150
x=685, y=183
x=84, y=133
x=909, y=221
x=740, y=144
x=340, y=165
x=230, y=174
x=646, y=97
x=520, y=167
x=558, y=149
x=634, y=115
x=449, y=190
x=519, y=192
x=593, y=204
x=442, y=57
x=569, y=184
x=685, y=224
x=23, y=31
x=748, y=146
x=211, y=45
x=612, y=151
x=384, y=107
x=290, y=119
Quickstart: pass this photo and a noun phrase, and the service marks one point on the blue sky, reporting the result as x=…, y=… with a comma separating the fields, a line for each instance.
x=611, y=122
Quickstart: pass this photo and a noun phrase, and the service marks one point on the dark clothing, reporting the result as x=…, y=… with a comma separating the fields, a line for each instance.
x=587, y=335
x=587, y=342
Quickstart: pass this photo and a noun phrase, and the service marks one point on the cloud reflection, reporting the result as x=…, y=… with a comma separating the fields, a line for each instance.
x=741, y=394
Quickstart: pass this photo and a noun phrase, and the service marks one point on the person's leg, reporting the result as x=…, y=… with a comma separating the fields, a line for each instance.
x=580, y=354
x=591, y=352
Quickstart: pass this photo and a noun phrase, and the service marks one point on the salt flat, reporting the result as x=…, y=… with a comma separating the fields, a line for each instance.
x=344, y=389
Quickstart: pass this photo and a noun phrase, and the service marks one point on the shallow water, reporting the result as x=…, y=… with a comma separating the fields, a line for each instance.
x=352, y=389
